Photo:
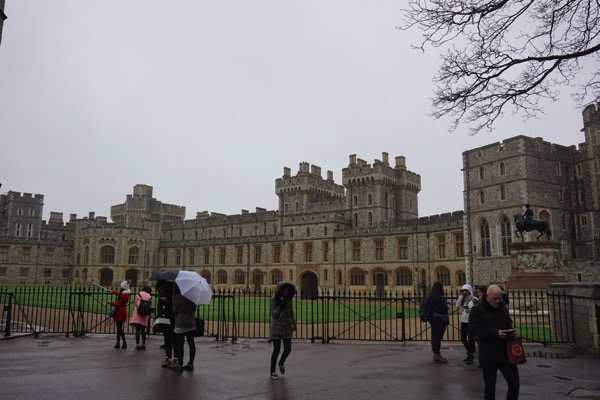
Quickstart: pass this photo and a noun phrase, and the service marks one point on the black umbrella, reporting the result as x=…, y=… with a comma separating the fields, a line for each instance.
x=168, y=275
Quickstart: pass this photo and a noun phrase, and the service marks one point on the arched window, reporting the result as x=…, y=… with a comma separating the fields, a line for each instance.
x=107, y=255
x=502, y=169
x=481, y=173
x=134, y=256
x=206, y=275
x=481, y=197
x=355, y=201
x=502, y=193
x=370, y=216
x=461, y=278
x=291, y=233
x=370, y=199
x=505, y=234
x=357, y=277
x=484, y=235
x=276, y=276
x=285, y=208
x=239, y=277
x=404, y=277
x=221, y=277
x=297, y=207
x=355, y=220
x=442, y=274
x=307, y=232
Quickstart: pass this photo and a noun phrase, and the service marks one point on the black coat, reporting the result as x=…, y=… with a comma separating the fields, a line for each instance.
x=484, y=323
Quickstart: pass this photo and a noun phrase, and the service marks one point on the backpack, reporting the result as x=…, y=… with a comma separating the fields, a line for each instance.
x=425, y=312
x=145, y=307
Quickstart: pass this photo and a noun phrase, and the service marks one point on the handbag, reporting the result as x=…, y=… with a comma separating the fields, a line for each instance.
x=161, y=324
x=515, y=351
x=199, y=328
x=112, y=312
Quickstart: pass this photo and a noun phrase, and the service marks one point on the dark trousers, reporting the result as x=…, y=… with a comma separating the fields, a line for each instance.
x=180, y=338
x=168, y=338
x=510, y=373
x=466, y=339
x=120, y=332
x=438, y=327
x=140, y=330
x=287, y=349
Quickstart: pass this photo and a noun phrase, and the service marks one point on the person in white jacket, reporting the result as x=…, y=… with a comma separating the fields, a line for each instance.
x=464, y=303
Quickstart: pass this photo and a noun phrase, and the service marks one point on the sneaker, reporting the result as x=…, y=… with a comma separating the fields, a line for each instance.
x=282, y=369
x=188, y=367
x=166, y=363
x=274, y=375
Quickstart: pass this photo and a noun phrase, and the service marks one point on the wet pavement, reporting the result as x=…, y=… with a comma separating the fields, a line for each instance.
x=59, y=367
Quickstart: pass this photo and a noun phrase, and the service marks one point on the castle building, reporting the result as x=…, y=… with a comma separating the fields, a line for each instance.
x=362, y=235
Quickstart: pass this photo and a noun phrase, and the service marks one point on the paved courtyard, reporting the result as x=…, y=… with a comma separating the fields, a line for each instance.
x=59, y=367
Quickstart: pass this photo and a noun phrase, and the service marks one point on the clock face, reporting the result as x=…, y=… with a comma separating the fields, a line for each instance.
x=531, y=261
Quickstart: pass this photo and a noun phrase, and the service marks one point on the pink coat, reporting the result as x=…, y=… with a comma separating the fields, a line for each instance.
x=138, y=319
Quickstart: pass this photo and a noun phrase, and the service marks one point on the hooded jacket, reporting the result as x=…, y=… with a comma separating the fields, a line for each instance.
x=463, y=303
x=283, y=321
x=135, y=317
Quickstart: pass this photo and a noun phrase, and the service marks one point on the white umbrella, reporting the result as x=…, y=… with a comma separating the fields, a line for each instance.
x=194, y=287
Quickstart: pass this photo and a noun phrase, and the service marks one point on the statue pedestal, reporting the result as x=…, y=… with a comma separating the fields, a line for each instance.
x=534, y=265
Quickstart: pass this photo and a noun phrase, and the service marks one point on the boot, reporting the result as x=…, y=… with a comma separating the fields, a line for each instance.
x=437, y=357
x=167, y=363
x=174, y=364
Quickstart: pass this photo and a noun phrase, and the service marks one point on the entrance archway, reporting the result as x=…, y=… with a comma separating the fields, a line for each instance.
x=309, y=285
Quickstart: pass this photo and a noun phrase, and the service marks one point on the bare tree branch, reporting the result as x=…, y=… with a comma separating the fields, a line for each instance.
x=507, y=55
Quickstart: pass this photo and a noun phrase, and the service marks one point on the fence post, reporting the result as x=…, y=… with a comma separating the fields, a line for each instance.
x=8, y=315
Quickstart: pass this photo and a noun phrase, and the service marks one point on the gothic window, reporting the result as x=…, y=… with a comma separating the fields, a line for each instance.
x=484, y=235
x=370, y=218
x=221, y=277
x=355, y=220
x=481, y=173
x=276, y=276
x=403, y=277
x=442, y=274
x=502, y=193
x=134, y=255
x=357, y=277
x=502, y=169
x=505, y=235
x=481, y=197
x=355, y=201
x=370, y=199
x=239, y=277
x=107, y=255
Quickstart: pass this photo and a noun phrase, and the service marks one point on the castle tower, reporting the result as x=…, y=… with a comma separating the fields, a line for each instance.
x=21, y=215
x=297, y=193
x=141, y=206
x=379, y=194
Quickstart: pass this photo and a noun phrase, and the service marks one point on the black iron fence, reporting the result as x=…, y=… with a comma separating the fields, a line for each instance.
x=538, y=315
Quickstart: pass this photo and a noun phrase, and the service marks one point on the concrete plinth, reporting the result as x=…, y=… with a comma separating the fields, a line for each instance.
x=534, y=265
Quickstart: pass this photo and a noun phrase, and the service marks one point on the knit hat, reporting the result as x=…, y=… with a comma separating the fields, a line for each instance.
x=125, y=285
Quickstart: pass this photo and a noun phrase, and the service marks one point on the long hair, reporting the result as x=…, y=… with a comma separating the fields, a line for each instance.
x=437, y=287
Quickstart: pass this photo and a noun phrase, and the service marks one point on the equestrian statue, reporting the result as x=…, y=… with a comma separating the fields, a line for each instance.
x=525, y=223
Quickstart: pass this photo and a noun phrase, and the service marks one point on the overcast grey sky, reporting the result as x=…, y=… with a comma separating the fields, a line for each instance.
x=208, y=101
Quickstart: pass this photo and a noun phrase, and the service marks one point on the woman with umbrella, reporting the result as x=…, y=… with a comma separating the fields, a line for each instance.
x=283, y=323
x=185, y=327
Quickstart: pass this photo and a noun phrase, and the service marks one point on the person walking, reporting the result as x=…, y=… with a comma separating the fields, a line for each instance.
x=140, y=322
x=438, y=321
x=164, y=308
x=185, y=327
x=463, y=305
x=283, y=324
x=491, y=324
x=121, y=313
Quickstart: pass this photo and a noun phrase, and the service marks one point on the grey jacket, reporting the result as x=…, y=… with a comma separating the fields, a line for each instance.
x=185, y=311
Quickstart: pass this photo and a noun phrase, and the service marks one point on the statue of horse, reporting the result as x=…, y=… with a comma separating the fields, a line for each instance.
x=533, y=225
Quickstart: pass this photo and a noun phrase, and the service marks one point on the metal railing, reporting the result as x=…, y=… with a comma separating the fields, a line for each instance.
x=539, y=316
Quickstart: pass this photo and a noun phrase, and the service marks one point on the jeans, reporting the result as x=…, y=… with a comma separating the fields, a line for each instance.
x=180, y=338
x=287, y=349
x=510, y=373
x=466, y=339
x=438, y=328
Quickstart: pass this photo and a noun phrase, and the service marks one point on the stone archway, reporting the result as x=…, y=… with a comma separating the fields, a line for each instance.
x=309, y=284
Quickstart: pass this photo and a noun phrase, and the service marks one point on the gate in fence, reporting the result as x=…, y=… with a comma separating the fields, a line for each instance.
x=539, y=316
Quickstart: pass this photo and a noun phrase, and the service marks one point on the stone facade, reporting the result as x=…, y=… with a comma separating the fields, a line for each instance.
x=361, y=235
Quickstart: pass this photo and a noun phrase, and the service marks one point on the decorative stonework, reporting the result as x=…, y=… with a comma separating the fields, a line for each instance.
x=534, y=265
